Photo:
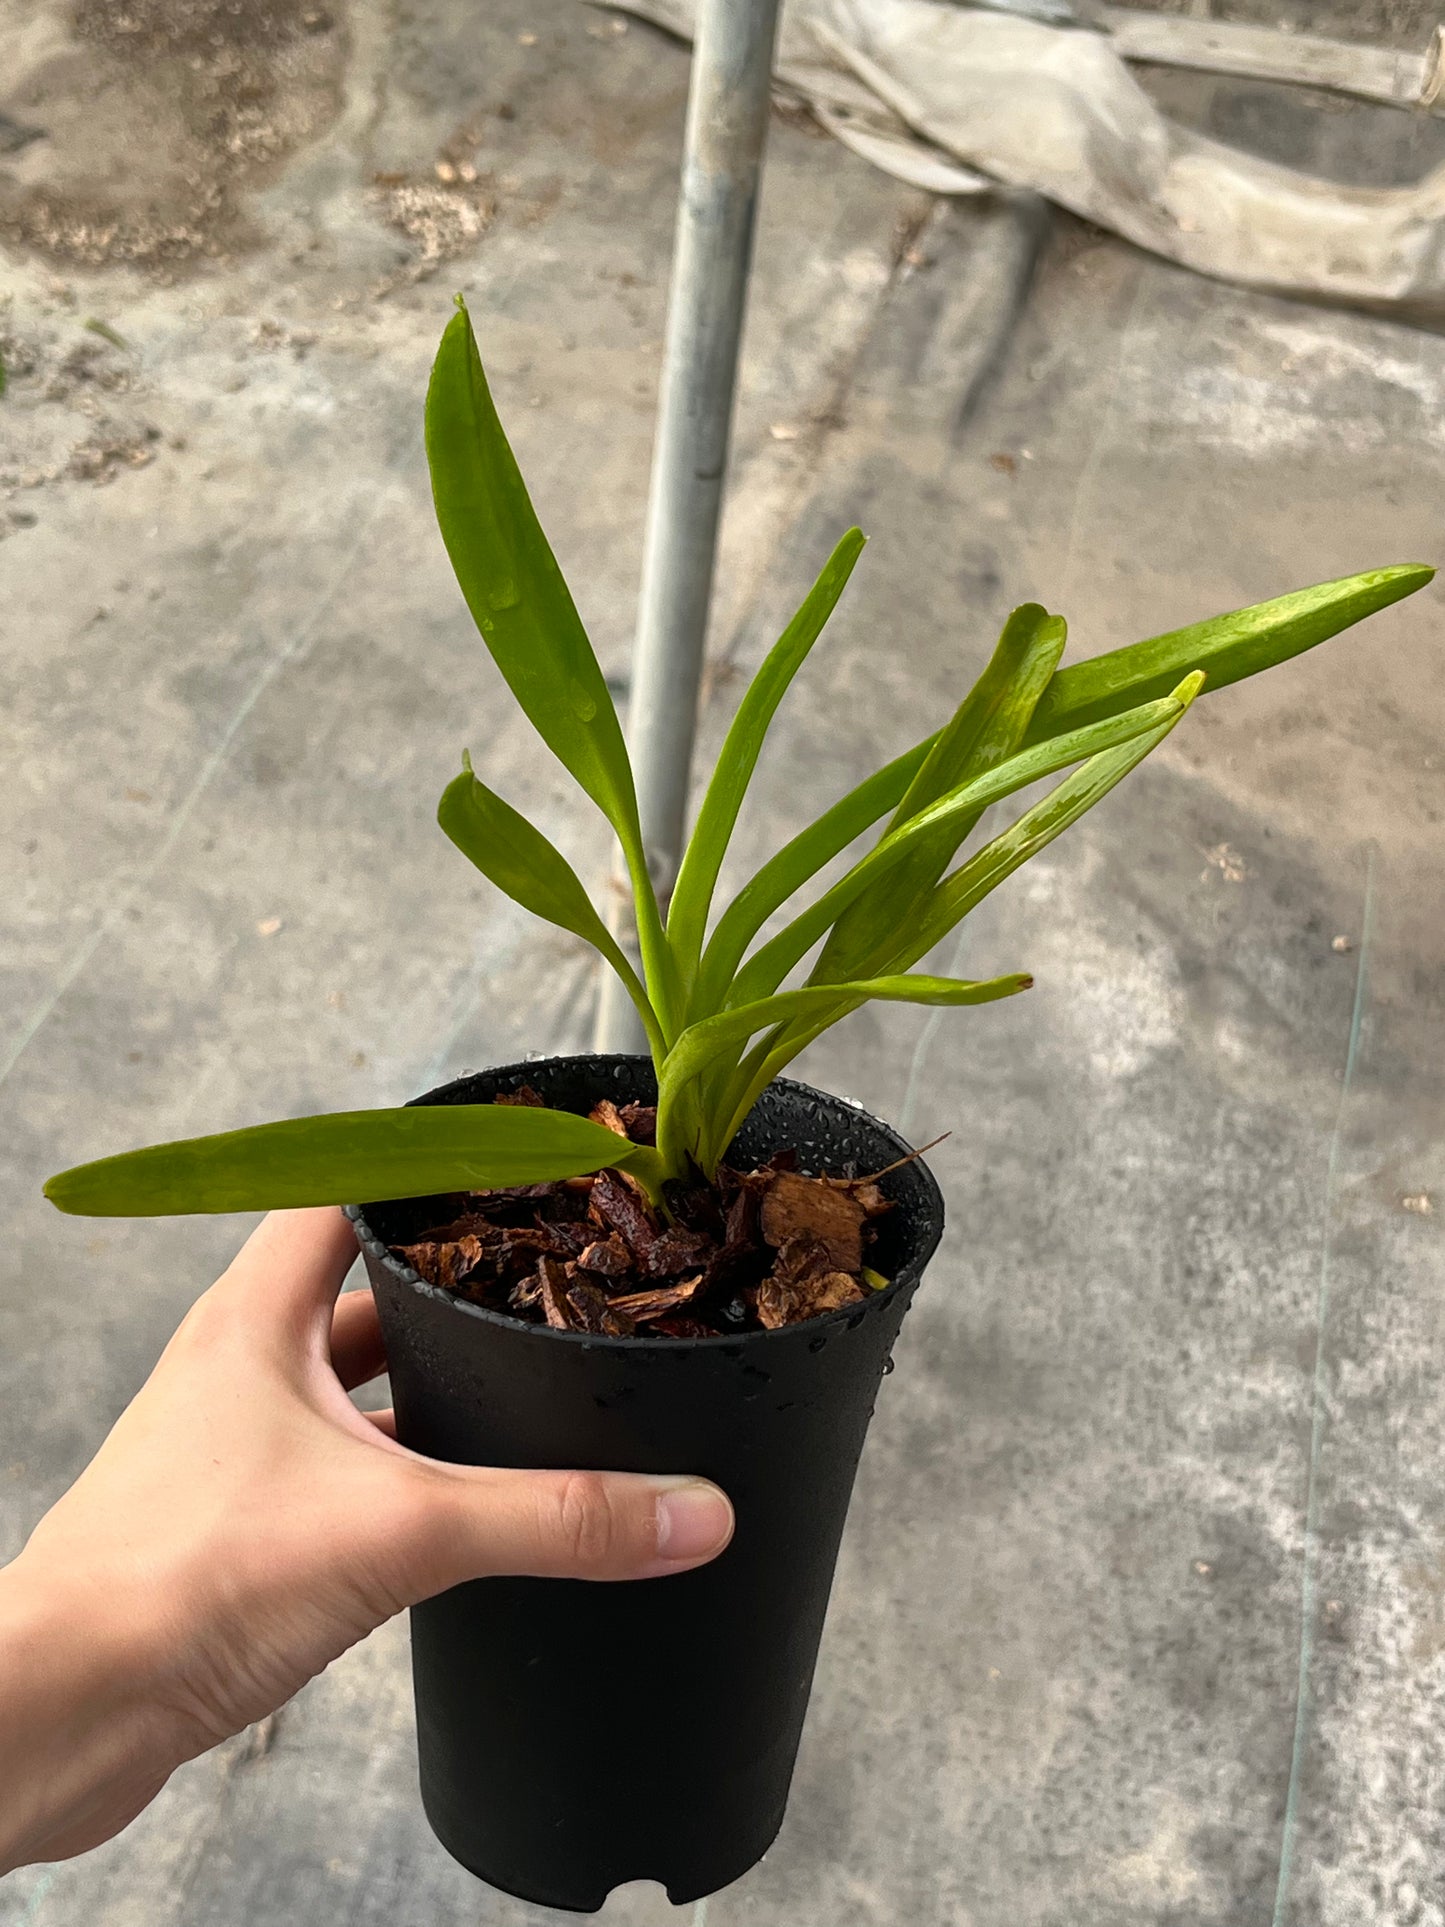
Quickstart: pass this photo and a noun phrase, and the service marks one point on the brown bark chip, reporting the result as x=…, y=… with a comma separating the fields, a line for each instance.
x=444, y=1264
x=639, y=1121
x=552, y=1295
x=678, y=1249
x=616, y=1206
x=865, y=1193
x=595, y=1312
x=794, y=1206
x=606, y=1113
x=643, y=1305
x=803, y=1284
x=608, y=1257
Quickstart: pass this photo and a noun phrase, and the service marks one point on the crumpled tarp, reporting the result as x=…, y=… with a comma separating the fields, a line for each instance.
x=953, y=98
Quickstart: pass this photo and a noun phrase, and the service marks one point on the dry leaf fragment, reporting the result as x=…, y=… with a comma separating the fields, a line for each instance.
x=606, y=1113
x=524, y=1094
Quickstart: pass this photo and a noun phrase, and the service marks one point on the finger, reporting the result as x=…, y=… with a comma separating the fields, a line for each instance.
x=357, y=1352
x=384, y=1421
x=294, y=1261
x=565, y=1525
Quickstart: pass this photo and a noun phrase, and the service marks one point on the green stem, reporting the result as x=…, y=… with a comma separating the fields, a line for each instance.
x=658, y=964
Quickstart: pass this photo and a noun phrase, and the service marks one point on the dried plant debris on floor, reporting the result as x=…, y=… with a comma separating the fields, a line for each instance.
x=757, y=1250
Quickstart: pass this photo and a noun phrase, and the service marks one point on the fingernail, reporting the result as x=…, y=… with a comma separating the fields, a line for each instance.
x=694, y=1521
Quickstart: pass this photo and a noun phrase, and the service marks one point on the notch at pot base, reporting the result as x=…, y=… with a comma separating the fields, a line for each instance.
x=704, y=1876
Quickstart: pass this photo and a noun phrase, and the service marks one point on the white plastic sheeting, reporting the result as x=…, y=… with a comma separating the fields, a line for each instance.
x=951, y=98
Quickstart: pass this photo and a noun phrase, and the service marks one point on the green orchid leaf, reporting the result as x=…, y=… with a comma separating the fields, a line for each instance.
x=892, y=912
x=1227, y=648
x=789, y=868
x=701, y=1044
x=348, y=1157
x=986, y=729
x=990, y=722
x=703, y=858
x=513, y=854
x=511, y=581
x=524, y=610
x=968, y=886
x=1063, y=806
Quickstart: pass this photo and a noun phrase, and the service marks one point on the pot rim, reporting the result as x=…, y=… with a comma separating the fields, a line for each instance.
x=906, y=1277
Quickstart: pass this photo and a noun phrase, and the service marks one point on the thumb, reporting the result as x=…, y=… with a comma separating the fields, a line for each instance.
x=477, y=1523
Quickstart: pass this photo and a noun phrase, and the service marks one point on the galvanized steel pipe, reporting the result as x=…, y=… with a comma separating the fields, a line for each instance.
x=727, y=120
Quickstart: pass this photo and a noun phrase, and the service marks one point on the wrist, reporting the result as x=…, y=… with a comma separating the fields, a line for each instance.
x=84, y=1740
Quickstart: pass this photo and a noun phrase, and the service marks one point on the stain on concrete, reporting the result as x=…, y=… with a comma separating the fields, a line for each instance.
x=150, y=119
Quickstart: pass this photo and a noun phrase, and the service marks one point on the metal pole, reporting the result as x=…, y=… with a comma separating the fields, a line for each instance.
x=727, y=120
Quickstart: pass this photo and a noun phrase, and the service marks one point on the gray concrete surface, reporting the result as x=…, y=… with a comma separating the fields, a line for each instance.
x=1189, y=1217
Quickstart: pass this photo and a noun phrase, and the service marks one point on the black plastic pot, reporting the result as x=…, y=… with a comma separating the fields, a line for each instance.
x=574, y=1736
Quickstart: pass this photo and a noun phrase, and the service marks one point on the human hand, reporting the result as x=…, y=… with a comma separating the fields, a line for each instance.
x=244, y=1524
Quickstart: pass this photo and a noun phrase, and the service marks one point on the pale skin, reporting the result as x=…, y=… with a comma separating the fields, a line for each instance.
x=244, y=1524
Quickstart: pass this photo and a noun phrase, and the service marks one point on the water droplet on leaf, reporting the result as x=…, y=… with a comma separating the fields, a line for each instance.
x=583, y=706
x=505, y=595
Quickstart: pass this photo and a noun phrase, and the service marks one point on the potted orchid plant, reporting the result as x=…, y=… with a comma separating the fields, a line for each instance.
x=684, y=1260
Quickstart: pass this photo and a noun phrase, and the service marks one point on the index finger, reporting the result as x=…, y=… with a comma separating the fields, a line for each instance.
x=294, y=1262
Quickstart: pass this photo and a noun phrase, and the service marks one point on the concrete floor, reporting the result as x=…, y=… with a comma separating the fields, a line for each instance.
x=1190, y=1176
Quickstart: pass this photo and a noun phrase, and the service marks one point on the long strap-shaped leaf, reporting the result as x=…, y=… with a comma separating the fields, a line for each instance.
x=1227, y=648
x=1063, y=806
x=702, y=860
x=990, y=721
x=987, y=727
x=956, y=896
x=764, y=972
x=524, y=610
x=701, y=1044
x=512, y=853
x=349, y=1157
x=789, y=868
